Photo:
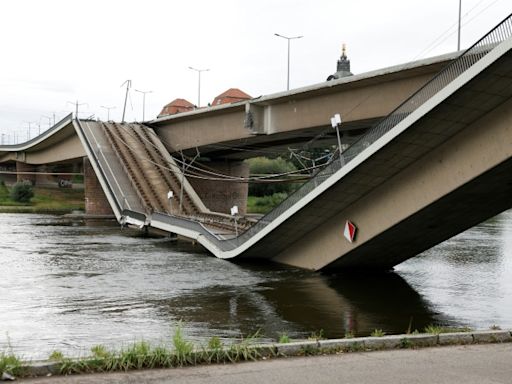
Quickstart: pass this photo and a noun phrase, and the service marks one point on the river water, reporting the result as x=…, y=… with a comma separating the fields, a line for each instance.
x=68, y=285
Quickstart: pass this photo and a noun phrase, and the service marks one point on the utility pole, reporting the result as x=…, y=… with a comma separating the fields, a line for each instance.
x=29, y=129
x=288, y=71
x=336, y=122
x=458, y=35
x=77, y=105
x=108, y=111
x=199, y=84
x=49, y=120
x=128, y=86
x=143, y=103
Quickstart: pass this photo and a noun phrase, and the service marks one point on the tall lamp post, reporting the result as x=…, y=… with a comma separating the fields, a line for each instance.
x=336, y=122
x=458, y=34
x=288, y=71
x=143, y=103
x=199, y=84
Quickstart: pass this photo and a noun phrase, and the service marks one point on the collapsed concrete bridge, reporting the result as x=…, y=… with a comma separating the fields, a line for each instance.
x=437, y=165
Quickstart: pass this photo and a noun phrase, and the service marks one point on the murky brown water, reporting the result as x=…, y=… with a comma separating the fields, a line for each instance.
x=69, y=286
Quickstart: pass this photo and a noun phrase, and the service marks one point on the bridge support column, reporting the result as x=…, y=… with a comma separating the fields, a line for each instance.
x=24, y=167
x=220, y=196
x=96, y=202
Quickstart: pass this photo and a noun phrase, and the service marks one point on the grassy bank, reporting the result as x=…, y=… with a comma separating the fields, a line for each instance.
x=143, y=355
x=45, y=200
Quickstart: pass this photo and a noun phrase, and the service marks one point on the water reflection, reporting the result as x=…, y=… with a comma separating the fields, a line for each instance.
x=468, y=277
x=66, y=285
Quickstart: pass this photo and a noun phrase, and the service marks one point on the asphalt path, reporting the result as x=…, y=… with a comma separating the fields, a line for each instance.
x=478, y=364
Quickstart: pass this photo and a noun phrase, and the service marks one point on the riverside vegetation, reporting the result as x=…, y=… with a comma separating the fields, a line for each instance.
x=23, y=198
x=142, y=355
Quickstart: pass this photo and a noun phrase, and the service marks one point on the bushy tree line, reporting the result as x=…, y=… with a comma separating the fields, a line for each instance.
x=267, y=166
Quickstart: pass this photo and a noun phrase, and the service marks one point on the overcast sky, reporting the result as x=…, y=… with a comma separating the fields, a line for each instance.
x=57, y=51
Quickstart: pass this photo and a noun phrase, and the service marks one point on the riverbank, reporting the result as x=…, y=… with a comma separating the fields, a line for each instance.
x=469, y=364
x=45, y=200
x=142, y=356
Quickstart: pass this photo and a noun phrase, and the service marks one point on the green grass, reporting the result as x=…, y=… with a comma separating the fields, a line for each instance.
x=284, y=338
x=141, y=355
x=9, y=362
x=45, y=200
x=437, y=329
x=378, y=333
x=56, y=356
x=264, y=204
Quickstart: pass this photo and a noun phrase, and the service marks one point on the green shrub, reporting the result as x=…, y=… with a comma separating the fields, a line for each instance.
x=266, y=166
x=22, y=192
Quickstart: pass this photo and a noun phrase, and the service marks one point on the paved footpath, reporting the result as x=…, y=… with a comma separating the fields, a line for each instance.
x=478, y=364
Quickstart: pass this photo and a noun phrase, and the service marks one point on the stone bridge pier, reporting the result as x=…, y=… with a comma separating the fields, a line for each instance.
x=220, y=196
x=96, y=202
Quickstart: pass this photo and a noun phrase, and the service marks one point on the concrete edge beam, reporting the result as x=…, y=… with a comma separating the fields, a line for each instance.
x=494, y=336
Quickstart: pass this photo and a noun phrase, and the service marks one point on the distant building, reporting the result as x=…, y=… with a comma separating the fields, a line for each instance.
x=232, y=95
x=343, y=68
x=177, y=106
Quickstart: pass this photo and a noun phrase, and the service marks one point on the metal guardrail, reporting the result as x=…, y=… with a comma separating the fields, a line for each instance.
x=97, y=160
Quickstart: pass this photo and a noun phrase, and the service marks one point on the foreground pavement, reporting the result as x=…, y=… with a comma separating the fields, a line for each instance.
x=478, y=364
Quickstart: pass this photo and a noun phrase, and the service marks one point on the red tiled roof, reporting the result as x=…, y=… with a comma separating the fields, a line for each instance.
x=177, y=106
x=232, y=95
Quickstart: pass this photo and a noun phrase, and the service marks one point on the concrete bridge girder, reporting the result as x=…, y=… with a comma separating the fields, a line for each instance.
x=283, y=117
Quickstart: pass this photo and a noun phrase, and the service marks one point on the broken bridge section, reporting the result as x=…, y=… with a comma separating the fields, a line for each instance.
x=144, y=178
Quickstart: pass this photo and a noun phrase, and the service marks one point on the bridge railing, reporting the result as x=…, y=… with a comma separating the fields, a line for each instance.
x=500, y=33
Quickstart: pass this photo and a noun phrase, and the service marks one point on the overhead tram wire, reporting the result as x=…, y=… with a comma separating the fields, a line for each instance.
x=191, y=166
x=222, y=177
x=437, y=42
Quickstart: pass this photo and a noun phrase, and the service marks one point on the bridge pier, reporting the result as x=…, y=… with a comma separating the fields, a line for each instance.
x=220, y=196
x=24, y=167
x=96, y=202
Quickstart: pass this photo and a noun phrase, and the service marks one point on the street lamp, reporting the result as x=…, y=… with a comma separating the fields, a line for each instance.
x=458, y=34
x=288, y=72
x=108, y=111
x=143, y=103
x=335, y=122
x=234, y=213
x=170, y=196
x=199, y=85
